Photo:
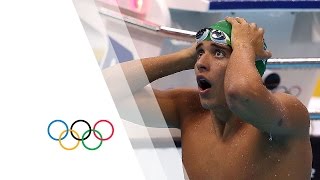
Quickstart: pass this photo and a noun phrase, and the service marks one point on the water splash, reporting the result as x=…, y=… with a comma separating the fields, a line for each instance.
x=270, y=137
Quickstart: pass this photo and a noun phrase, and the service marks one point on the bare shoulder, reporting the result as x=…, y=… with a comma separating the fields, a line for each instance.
x=295, y=113
x=188, y=101
x=186, y=96
x=175, y=104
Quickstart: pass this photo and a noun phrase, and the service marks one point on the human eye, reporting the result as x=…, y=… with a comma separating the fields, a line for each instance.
x=219, y=53
x=200, y=52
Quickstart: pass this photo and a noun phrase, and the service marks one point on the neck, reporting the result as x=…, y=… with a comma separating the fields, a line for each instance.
x=225, y=122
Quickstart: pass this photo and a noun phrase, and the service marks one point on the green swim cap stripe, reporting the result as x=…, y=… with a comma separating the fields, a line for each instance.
x=261, y=66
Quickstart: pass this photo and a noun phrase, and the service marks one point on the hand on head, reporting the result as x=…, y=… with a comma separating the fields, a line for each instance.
x=248, y=35
x=191, y=55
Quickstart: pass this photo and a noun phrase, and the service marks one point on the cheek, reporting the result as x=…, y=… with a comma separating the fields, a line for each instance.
x=220, y=63
x=219, y=67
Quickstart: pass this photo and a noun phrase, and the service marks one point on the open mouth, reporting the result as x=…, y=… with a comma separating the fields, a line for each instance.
x=203, y=84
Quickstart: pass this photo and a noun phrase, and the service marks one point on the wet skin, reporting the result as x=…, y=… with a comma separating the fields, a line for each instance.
x=217, y=144
x=225, y=123
x=246, y=153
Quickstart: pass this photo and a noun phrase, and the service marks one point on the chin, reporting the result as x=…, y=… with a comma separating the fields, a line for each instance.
x=212, y=104
x=206, y=105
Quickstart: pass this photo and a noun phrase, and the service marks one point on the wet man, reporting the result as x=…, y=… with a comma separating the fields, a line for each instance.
x=232, y=126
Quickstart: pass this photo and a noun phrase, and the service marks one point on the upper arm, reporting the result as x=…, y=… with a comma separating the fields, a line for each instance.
x=162, y=108
x=279, y=114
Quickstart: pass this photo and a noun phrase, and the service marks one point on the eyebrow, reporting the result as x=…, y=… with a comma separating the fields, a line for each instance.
x=228, y=48
x=198, y=46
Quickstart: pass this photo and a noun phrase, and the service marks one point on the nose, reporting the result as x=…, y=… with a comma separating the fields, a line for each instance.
x=202, y=64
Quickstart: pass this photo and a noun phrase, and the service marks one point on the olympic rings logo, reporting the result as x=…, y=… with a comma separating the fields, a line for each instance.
x=84, y=136
x=293, y=90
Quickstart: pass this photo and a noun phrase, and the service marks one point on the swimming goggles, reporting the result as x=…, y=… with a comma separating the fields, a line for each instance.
x=214, y=35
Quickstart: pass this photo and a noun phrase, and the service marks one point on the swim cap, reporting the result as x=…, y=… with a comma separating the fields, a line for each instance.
x=225, y=27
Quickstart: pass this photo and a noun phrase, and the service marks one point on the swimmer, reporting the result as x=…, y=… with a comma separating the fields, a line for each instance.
x=235, y=128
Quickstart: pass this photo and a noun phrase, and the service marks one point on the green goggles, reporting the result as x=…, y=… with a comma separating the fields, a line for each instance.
x=215, y=35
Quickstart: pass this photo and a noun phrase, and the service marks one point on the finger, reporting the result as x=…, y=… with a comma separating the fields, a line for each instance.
x=267, y=54
x=253, y=25
x=241, y=20
x=232, y=20
x=261, y=30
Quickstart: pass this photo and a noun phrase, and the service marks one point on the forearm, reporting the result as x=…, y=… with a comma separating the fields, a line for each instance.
x=245, y=93
x=165, y=65
x=139, y=73
x=244, y=90
x=241, y=73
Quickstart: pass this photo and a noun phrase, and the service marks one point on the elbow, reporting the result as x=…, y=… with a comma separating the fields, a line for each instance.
x=239, y=94
x=235, y=91
x=233, y=97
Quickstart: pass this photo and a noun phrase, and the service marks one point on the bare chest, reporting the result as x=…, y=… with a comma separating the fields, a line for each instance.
x=247, y=154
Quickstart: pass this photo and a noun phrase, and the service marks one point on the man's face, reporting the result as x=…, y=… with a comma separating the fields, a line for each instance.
x=210, y=69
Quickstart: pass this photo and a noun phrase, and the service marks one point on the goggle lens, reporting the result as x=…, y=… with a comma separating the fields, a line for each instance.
x=202, y=34
x=215, y=36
